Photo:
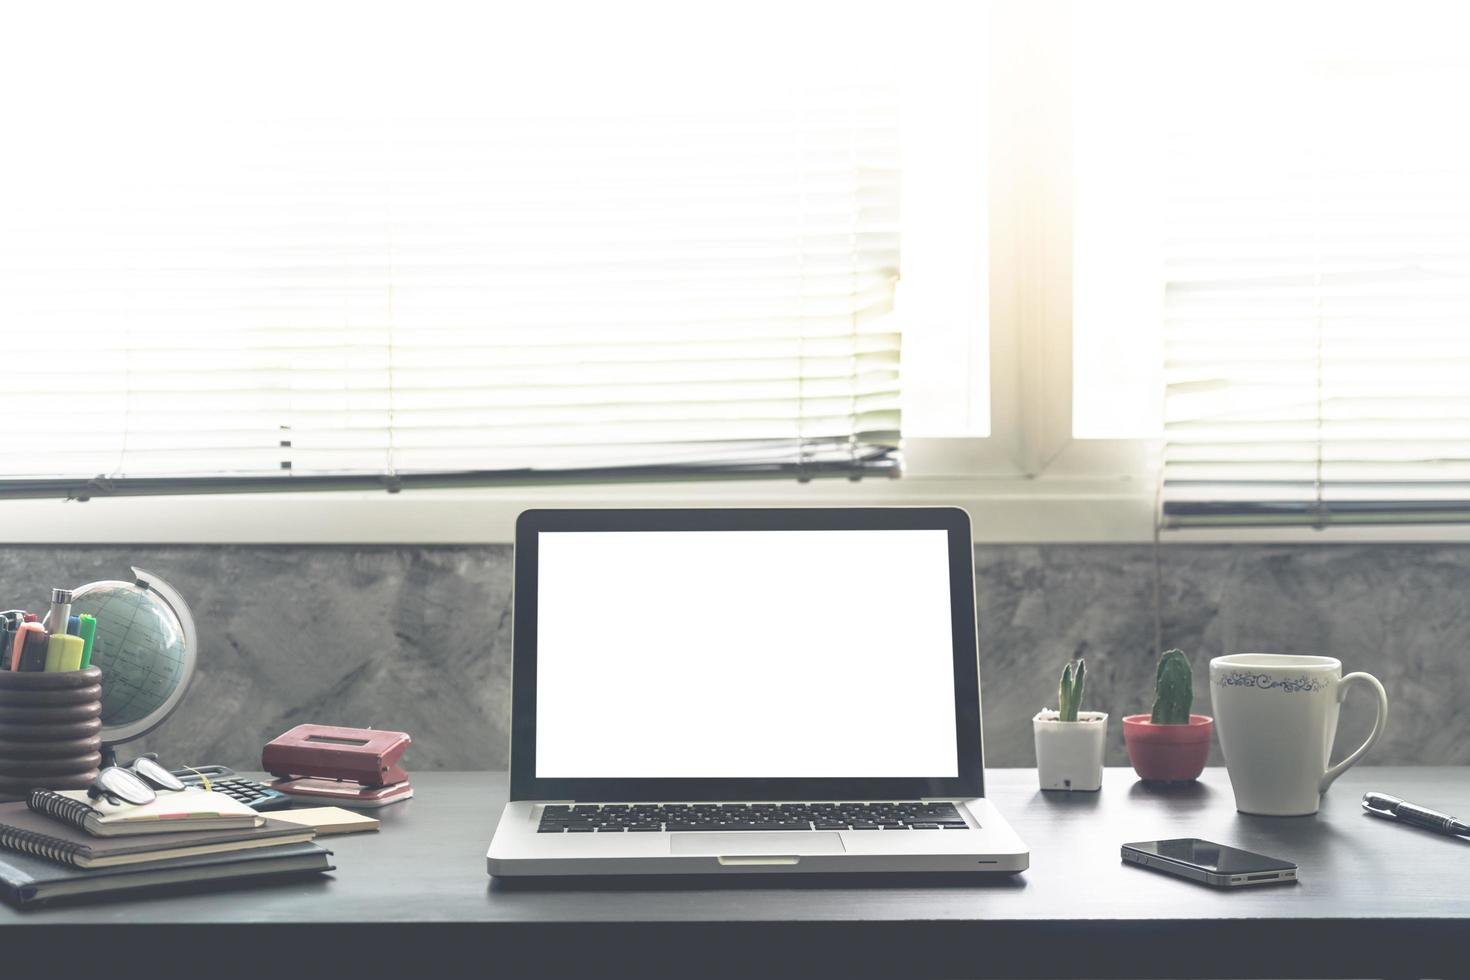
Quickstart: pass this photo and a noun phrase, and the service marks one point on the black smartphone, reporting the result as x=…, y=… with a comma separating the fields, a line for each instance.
x=1209, y=863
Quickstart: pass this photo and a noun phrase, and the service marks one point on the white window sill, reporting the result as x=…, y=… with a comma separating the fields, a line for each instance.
x=1003, y=510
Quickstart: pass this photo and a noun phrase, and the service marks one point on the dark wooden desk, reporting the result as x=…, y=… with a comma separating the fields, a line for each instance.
x=1375, y=899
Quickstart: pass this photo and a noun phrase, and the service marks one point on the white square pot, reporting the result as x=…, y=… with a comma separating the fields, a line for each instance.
x=1069, y=754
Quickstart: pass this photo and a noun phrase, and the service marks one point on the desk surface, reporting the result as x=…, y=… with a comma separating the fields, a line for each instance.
x=1374, y=898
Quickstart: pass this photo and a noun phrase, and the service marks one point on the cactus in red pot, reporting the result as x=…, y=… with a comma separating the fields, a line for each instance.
x=1173, y=689
x=1171, y=744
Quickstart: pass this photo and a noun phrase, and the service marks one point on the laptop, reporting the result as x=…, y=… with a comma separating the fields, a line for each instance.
x=733, y=691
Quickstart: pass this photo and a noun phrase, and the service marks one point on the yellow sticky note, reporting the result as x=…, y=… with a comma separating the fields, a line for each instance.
x=327, y=820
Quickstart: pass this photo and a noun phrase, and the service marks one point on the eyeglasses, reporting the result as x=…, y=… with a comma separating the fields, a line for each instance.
x=135, y=783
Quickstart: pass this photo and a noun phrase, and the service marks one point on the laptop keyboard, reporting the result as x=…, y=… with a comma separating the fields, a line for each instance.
x=587, y=818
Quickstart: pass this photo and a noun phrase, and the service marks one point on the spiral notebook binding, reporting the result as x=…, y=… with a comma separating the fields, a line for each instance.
x=41, y=845
x=62, y=808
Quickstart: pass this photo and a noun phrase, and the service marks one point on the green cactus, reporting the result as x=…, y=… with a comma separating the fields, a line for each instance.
x=1069, y=697
x=1174, y=689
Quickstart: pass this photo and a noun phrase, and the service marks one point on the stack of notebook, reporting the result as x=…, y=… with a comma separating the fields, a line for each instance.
x=60, y=845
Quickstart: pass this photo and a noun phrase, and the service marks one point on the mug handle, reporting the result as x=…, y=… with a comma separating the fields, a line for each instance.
x=1382, y=719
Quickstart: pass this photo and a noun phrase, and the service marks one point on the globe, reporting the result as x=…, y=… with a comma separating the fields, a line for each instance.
x=145, y=647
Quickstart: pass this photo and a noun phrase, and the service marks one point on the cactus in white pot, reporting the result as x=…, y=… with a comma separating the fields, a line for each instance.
x=1070, y=741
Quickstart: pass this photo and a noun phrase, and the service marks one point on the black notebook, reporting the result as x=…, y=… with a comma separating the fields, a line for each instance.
x=26, y=881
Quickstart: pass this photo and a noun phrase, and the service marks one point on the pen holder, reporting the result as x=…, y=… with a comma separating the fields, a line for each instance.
x=50, y=730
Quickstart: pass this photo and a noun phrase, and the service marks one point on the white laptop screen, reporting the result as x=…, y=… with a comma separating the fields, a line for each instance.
x=744, y=654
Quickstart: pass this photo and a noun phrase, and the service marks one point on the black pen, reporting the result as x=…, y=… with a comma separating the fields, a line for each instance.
x=1393, y=808
x=10, y=621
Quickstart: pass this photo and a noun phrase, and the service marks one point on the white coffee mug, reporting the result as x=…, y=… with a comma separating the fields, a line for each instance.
x=1277, y=718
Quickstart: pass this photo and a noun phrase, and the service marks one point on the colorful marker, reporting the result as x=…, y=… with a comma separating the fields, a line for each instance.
x=71, y=652
x=72, y=623
x=12, y=653
x=34, y=642
x=87, y=630
x=55, y=647
x=10, y=650
x=10, y=621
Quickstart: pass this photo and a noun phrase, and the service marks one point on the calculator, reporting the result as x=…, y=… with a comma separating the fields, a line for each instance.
x=222, y=779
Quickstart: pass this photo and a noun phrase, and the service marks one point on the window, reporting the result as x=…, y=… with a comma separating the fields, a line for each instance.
x=1286, y=222
x=1095, y=265
x=450, y=260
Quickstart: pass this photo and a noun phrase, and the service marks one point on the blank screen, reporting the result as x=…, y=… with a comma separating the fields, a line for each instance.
x=744, y=654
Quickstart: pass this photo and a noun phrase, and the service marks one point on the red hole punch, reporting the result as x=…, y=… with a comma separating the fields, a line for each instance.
x=351, y=767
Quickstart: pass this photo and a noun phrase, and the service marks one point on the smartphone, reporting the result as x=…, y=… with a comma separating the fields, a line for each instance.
x=1209, y=863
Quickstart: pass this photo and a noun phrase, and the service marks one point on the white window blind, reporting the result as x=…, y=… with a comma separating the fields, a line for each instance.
x=1317, y=290
x=467, y=286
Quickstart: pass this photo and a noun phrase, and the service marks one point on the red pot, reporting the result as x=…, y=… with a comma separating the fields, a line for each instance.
x=1168, y=753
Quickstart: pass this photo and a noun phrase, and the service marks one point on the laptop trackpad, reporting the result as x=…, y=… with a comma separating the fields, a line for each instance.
x=762, y=842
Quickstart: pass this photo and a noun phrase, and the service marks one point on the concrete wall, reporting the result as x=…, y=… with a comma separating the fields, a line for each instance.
x=418, y=638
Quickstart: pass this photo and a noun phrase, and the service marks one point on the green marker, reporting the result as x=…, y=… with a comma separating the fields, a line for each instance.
x=87, y=630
